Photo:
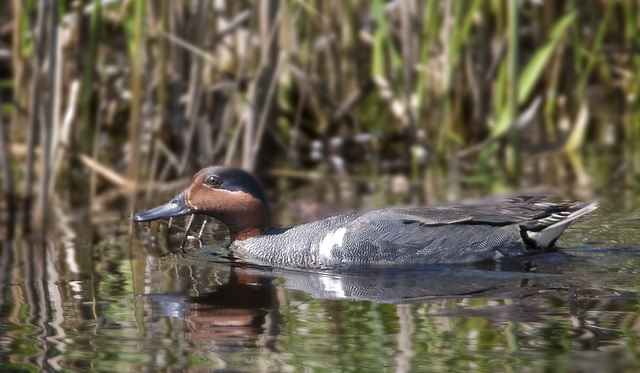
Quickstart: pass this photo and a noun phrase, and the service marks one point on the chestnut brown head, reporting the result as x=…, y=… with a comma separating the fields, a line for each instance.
x=228, y=194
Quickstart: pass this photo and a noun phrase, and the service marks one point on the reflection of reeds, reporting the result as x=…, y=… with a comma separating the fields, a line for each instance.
x=151, y=91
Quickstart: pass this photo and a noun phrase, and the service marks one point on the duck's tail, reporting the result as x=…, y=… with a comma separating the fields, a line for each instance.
x=548, y=229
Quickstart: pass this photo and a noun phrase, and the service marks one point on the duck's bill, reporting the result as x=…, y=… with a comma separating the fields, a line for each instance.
x=175, y=207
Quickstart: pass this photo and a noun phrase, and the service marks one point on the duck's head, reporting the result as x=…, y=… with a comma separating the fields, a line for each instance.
x=228, y=194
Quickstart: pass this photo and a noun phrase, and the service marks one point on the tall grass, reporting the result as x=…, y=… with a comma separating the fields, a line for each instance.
x=372, y=88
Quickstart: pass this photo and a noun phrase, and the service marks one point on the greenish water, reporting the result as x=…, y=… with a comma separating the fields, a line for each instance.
x=117, y=305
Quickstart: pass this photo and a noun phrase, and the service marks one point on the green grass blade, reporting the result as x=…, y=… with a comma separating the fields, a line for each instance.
x=533, y=71
x=538, y=63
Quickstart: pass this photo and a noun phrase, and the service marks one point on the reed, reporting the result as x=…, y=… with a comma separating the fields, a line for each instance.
x=367, y=88
x=35, y=98
x=7, y=178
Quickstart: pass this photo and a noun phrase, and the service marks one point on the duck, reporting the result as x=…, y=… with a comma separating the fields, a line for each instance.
x=420, y=235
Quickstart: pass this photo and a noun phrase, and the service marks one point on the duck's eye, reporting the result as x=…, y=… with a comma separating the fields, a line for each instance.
x=213, y=181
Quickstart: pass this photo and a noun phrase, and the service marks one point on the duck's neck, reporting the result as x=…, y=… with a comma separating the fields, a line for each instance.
x=244, y=226
x=246, y=234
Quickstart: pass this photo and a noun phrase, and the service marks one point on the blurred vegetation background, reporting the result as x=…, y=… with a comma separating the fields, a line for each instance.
x=105, y=100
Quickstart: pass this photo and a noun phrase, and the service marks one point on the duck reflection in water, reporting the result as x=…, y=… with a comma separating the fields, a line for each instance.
x=230, y=315
x=246, y=306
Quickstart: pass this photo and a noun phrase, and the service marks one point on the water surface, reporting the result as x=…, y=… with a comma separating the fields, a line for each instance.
x=82, y=303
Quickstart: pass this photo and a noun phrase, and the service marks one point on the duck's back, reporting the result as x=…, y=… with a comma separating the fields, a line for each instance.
x=417, y=235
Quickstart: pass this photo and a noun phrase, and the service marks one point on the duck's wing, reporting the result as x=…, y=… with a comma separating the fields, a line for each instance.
x=459, y=234
x=530, y=212
x=406, y=238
